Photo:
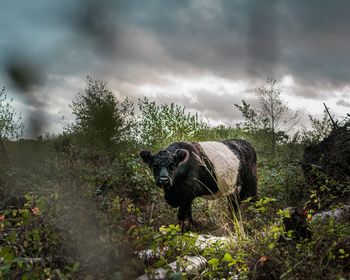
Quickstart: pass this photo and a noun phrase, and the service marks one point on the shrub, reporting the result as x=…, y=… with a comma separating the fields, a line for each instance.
x=30, y=244
x=102, y=123
x=158, y=125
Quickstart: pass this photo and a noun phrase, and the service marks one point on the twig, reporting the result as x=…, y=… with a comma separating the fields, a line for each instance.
x=333, y=122
x=151, y=214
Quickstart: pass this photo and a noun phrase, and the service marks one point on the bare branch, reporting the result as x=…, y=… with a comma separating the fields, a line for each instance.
x=333, y=122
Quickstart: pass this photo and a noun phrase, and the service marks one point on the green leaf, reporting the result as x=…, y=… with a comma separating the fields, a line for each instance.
x=160, y=263
x=214, y=262
x=286, y=214
x=20, y=263
x=227, y=257
x=36, y=235
x=176, y=275
x=233, y=262
x=275, y=229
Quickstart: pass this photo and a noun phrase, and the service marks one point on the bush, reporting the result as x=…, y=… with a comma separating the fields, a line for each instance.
x=102, y=123
x=159, y=125
x=30, y=244
x=127, y=176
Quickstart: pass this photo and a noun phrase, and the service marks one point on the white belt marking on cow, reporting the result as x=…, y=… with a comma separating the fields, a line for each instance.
x=225, y=164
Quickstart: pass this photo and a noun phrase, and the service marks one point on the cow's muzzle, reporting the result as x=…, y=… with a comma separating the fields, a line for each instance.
x=163, y=181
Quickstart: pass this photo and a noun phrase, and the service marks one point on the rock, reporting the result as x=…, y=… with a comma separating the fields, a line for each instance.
x=195, y=264
x=159, y=273
x=148, y=256
x=339, y=214
x=190, y=264
x=204, y=241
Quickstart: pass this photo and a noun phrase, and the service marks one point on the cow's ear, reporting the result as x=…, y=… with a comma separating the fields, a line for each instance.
x=146, y=156
x=182, y=156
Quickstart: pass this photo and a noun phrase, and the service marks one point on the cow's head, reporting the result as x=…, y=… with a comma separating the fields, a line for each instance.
x=164, y=165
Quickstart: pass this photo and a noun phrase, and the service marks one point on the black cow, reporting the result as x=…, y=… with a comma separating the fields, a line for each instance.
x=186, y=170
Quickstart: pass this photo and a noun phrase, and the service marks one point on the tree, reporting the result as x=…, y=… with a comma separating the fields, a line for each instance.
x=252, y=122
x=275, y=110
x=11, y=126
x=102, y=123
x=273, y=116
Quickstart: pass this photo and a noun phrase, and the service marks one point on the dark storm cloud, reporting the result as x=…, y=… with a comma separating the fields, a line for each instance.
x=316, y=42
x=307, y=40
x=264, y=23
x=136, y=42
x=235, y=39
x=26, y=76
x=249, y=39
x=196, y=37
x=24, y=57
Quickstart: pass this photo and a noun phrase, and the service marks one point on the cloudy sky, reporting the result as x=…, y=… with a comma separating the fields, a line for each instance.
x=203, y=54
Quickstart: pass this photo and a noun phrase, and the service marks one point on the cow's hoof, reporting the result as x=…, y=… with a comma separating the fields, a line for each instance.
x=186, y=226
x=195, y=225
x=189, y=226
x=183, y=226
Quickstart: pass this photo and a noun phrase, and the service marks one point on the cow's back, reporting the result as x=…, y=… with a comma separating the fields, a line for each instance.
x=225, y=164
x=247, y=176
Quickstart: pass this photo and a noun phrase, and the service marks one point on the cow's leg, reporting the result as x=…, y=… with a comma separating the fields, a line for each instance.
x=233, y=204
x=185, y=214
x=247, y=187
x=249, y=184
x=190, y=219
x=189, y=214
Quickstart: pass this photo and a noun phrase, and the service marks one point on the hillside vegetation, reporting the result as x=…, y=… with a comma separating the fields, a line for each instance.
x=78, y=205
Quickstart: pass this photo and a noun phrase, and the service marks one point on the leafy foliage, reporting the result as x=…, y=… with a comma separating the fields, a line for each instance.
x=252, y=122
x=273, y=119
x=92, y=202
x=320, y=128
x=11, y=126
x=102, y=122
x=30, y=243
x=158, y=125
x=273, y=108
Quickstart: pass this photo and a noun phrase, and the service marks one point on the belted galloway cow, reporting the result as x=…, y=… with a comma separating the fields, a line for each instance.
x=212, y=169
